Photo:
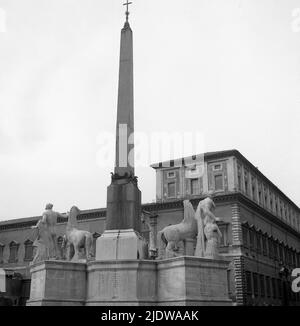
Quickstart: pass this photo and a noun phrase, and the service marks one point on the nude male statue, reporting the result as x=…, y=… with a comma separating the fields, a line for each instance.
x=49, y=220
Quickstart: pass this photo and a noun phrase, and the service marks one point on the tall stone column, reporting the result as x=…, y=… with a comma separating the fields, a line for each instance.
x=122, y=240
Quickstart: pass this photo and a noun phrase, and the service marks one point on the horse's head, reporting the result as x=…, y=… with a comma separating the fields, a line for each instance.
x=74, y=212
x=189, y=213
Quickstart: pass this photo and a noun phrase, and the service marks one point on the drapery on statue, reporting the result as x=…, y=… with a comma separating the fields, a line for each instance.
x=77, y=239
x=41, y=243
x=171, y=235
x=206, y=222
x=47, y=234
x=213, y=235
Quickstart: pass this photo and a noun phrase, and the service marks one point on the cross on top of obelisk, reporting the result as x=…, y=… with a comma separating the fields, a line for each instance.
x=127, y=11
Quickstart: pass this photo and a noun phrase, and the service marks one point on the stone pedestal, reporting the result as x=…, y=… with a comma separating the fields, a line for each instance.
x=123, y=205
x=125, y=283
x=195, y=281
x=189, y=247
x=58, y=283
x=180, y=281
x=120, y=245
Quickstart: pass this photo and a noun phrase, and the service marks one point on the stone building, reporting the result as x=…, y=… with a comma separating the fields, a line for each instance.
x=259, y=223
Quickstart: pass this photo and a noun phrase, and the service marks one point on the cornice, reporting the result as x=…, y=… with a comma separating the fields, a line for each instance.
x=229, y=198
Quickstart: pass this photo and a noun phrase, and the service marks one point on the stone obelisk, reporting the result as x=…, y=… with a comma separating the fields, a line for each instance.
x=121, y=240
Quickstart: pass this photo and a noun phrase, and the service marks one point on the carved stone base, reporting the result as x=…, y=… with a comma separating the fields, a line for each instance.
x=57, y=283
x=120, y=244
x=179, y=281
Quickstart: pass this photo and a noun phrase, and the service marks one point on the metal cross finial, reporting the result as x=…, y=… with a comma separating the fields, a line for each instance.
x=127, y=12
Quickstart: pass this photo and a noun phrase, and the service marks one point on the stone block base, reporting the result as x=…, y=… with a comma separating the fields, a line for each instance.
x=127, y=283
x=120, y=245
x=192, y=281
x=58, y=283
x=180, y=281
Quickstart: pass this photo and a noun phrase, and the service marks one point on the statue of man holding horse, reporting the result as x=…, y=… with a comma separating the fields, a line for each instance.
x=48, y=224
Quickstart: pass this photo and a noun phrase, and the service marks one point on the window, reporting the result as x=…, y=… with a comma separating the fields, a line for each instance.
x=287, y=214
x=248, y=283
x=28, y=250
x=13, y=252
x=271, y=248
x=294, y=258
x=223, y=229
x=219, y=182
x=258, y=243
x=171, y=190
x=276, y=206
x=286, y=259
x=280, y=253
x=251, y=233
x=289, y=256
x=217, y=167
x=195, y=189
x=1, y=252
x=217, y=176
x=239, y=175
x=259, y=196
x=274, y=288
x=255, y=284
x=262, y=285
x=253, y=181
x=268, y=286
x=246, y=183
x=264, y=245
x=280, y=209
x=266, y=196
x=245, y=236
x=271, y=202
x=171, y=174
x=279, y=285
x=275, y=251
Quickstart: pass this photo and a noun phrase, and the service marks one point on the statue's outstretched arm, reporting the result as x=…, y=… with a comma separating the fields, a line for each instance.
x=38, y=224
x=62, y=215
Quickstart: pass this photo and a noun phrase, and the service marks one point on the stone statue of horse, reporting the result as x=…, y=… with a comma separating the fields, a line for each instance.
x=171, y=235
x=77, y=239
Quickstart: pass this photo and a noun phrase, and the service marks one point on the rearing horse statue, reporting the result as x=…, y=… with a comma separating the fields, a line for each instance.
x=171, y=235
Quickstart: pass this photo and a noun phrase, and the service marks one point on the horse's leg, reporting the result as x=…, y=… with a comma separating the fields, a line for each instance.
x=76, y=254
x=162, y=243
x=71, y=251
x=88, y=246
x=170, y=249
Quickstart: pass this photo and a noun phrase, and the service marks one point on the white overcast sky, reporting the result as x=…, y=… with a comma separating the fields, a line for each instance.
x=228, y=69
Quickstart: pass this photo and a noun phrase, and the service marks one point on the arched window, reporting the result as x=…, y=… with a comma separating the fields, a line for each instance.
x=28, y=250
x=13, y=252
x=1, y=252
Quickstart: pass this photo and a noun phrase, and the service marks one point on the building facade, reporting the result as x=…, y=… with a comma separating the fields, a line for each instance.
x=260, y=226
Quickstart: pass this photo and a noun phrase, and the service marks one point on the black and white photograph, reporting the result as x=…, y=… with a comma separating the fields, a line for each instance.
x=149, y=156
